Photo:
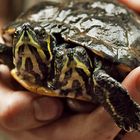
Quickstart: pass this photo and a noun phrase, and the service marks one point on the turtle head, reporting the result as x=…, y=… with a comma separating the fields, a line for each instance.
x=32, y=51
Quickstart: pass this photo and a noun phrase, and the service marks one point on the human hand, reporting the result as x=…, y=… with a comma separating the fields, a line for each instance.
x=20, y=121
x=20, y=110
x=133, y=4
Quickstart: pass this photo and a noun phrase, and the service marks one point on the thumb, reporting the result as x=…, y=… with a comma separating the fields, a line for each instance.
x=132, y=84
x=21, y=110
x=133, y=4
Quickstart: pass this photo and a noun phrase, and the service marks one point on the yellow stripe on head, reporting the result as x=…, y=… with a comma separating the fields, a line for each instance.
x=38, y=47
x=18, y=44
x=48, y=40
x=82, y=66
x=64, y=69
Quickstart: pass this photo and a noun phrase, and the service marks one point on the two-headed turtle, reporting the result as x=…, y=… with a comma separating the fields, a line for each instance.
x=79, y=50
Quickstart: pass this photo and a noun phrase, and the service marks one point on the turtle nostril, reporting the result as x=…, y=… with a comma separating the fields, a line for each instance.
x=25, y=34
x=26, y=26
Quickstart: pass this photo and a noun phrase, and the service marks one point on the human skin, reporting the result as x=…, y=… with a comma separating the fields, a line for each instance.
x=24, y=115
x=133, y=4
x=20, y=116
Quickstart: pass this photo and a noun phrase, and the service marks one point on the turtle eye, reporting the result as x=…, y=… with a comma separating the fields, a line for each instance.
x=43, y=32
x=37, y=30
x=17, y=33
x=40, y=31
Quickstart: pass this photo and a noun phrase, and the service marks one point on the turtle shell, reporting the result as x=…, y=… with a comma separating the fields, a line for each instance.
x=106, y=27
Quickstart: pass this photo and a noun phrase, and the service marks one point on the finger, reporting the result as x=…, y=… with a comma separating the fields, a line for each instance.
x=98, y=125
x=133, y=4
x=132, y=84
x=132, y=136
x=23, y=110
x=20, y=111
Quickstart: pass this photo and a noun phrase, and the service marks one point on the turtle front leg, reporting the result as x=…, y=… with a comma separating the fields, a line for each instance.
x=116, y=101
x=6, y=55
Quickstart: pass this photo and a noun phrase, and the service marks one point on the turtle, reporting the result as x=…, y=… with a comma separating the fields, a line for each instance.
x=80, y=50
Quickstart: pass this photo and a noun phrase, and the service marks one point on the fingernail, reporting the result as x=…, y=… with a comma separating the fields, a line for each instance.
x=47, y=108
x=4, y=68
